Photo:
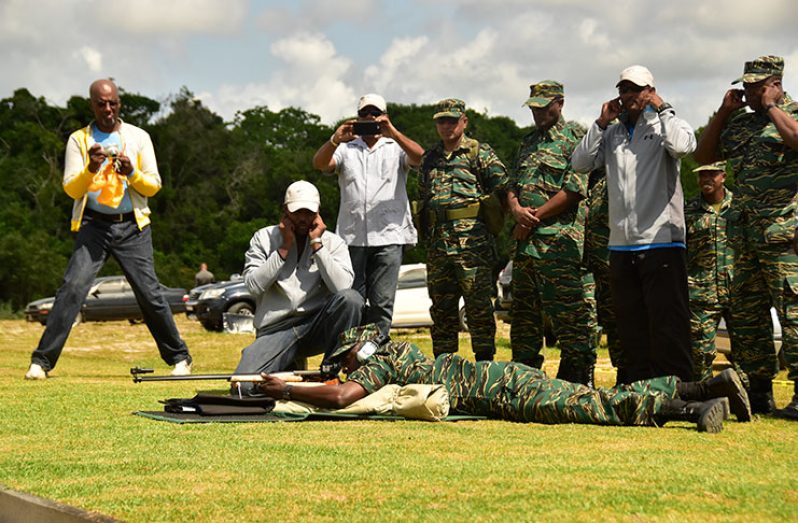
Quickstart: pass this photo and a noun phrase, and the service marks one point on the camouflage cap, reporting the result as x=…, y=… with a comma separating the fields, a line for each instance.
x=717, y=166
x=760, y=69
x=449, y=107
x=543, y=93
x=351, y=337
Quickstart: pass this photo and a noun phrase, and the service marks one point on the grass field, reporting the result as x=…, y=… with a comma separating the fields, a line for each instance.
x=73, y=439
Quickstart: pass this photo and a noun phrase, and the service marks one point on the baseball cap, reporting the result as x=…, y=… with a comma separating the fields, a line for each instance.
x=449, y=107
x=717, y=166
x=351, y=337
x=373, y=100
x=302, y=195
x=761, y=69
x=638, y=75
x=543, y=93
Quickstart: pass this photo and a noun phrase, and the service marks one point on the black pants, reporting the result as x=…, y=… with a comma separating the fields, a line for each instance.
x=649, y=289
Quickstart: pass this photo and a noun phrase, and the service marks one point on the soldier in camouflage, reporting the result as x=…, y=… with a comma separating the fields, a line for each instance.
x=457, y=175
x=597, y=261
x=761, y=147
x=709, y=264
x=543, y=194
x=516, y=392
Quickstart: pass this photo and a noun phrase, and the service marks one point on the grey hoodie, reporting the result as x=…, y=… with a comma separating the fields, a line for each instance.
x=646, y=204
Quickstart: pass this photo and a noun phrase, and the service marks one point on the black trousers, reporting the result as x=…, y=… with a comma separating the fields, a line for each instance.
x=649, y=289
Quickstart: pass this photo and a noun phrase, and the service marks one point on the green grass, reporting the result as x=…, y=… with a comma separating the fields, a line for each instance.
x=73, y=439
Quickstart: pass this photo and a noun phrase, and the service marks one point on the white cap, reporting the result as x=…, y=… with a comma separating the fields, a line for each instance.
x=374, y=100
x=638, y=75
x=302, y=195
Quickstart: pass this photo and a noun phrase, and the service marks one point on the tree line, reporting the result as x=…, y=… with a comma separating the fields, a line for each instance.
x=222, y=180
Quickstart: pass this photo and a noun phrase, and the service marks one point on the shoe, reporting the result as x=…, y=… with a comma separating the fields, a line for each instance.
x=707, y=415
x=761, y=395
x=483, y=356
x=36, y=372
x=791, y=410
x=727, y=384
x=182, y=368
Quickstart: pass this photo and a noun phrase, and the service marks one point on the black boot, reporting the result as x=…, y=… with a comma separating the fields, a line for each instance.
x=791, y=410
x=483, y=356
x=707, y=415
x=583, y=375
x=761, y=396
x=727, y=384
x=620, y=377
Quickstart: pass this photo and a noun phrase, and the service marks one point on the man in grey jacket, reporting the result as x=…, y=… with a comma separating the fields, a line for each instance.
x=648, y=274
x=301, y=276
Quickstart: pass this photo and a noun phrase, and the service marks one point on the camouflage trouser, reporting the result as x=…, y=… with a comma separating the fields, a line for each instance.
x=704, y=319
x=605, y=311
x=557, y=288
x=515, y=392
x=765, y=275
x=469, y=274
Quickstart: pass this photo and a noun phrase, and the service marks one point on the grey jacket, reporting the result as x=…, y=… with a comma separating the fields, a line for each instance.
x=646, y=204
x=294, y=286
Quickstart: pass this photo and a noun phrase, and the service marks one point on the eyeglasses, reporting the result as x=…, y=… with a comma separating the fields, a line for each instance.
x=630, y=88
x=369, y=112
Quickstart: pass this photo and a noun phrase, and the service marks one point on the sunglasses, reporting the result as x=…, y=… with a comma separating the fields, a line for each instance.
x=369, y=112
x=630, y=89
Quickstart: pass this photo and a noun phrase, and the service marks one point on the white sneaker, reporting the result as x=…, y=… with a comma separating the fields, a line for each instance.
x=182, y=368
x=36, y=372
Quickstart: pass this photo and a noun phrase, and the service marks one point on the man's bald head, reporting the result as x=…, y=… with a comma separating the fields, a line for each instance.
x=105, y=104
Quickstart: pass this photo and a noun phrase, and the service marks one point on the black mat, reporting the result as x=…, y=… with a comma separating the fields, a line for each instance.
x=174, y=417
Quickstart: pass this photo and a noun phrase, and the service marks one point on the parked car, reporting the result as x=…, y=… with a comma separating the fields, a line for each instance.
x=412, y=302
x=209, y=303
x=110, y=298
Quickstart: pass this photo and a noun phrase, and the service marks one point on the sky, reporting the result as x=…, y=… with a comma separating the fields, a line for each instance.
x=323, y=55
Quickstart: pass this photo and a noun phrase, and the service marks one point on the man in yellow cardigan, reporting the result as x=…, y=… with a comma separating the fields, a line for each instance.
x=110, y=170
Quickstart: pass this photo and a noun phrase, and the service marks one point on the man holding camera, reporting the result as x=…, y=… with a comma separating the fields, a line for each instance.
x=372, y=158
x=110, y=170
x=761, y=147
x=301, y=277
x=458, y=176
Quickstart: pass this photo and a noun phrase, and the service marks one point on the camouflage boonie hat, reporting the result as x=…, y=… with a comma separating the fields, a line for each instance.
x=543, y=93
x=717, y=166
x=449, y=107
x=351, y=337
x=762, y=68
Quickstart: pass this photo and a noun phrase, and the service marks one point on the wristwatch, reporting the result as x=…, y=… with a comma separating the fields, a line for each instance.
x=287, y=392
x=770, y=106
x=315, y=241
x=664, y=107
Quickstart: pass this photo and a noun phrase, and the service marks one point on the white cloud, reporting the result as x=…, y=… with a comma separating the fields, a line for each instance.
x=92, y=57
x=173, y=17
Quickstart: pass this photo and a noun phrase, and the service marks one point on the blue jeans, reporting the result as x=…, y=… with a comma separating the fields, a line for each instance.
x=277, y=347
x=376, y=273
x=132, y=248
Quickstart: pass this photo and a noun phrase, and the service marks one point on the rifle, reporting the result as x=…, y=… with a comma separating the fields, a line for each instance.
x=327, y=372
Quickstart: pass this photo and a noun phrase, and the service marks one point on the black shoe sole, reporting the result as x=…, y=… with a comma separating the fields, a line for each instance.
x=711, y=419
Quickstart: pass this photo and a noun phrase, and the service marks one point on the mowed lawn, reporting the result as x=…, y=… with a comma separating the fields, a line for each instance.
x=73, y=439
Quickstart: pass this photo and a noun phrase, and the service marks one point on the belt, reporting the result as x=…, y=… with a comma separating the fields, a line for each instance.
x=460, y=213
x=114, y=218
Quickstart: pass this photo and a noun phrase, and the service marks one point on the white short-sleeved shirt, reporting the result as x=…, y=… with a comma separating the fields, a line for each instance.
x=374, y=208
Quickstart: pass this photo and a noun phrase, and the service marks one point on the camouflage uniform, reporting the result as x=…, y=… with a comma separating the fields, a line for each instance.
x=548, y=276
x=709, y=274
x=597, y=261
x=461, y=253
x=764, y=214
x=513, y=391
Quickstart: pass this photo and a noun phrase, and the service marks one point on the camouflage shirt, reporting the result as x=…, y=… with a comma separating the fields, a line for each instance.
x=462, y=178
x=597, y=229
x=765, y=168
x=474, y=388
x=709, y=252
x=542, y=169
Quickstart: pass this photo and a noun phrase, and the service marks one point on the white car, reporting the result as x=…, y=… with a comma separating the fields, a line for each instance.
x=412, y=303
